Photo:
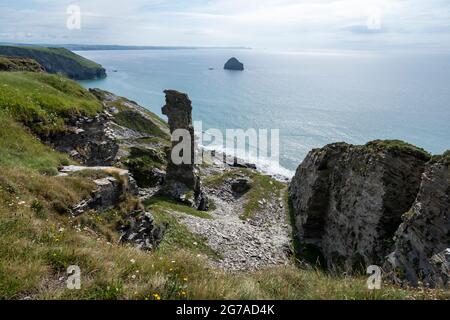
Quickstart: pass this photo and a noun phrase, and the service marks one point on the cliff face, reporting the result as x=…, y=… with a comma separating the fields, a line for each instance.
x=348, y=200
x=422, y=246
x=58, y=60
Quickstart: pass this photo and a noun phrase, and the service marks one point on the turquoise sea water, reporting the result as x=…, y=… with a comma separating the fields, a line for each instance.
x=313, y=98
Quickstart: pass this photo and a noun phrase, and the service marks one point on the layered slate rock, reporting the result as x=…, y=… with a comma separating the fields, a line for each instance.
x=422, y=246
x=111, y=186
x=140, y=230
x=87, y=140
x=182, y=181
x=234, y=64
x=348, y=200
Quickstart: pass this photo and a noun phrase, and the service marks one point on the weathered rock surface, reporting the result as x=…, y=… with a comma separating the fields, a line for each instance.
x=146, y=166
x=348, y=200
x=123, y=134
x=422, y=246
x=87, y=140
x=140, y=230
x=234, y=64
x=182, y=181
x=241, y=185
x=109, y=190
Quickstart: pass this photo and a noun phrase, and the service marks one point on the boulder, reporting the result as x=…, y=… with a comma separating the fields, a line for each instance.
x=422, y=242
x=241, y=185
x=348, y=200
x=234, y=64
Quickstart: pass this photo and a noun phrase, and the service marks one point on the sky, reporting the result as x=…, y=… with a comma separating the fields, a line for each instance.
x=411, y=25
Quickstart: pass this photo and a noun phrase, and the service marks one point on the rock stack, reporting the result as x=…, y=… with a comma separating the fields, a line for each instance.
x=234, y=64
x=182, y=181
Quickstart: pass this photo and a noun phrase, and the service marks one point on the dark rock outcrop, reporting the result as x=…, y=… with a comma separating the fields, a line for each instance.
x=140, y=230
x=241, y=185
x=182, y=181
x=146, y=166
x=234, y=64
x=422, y=242
x=109, y=190
x=348, y=200
x=87, y=140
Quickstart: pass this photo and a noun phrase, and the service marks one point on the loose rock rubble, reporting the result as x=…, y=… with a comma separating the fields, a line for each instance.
x=252, y=244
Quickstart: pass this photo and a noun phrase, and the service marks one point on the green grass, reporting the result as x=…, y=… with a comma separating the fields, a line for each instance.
x=151, y=123
x=398, y=146
x=443, y=158
x=42, y=101
x=178, y=237
x=18, y=148
x=137, y=122
x=263, y=187
x=167, y=204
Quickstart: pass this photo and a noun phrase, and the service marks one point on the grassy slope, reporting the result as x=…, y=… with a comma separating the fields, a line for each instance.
x=62, y=52
x=38, y=241
x=42, y=101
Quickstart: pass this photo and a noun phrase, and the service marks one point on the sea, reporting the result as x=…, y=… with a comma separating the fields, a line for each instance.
x=312, y=98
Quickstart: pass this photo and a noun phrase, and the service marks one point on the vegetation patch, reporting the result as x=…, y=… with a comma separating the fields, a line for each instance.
x=398, y=146
x=18, y=148
x=263, y=188
x=444, y=158
x=168, y=204
x=57, y=61
x=177, y=236
x=42, y=101
x=137, y=122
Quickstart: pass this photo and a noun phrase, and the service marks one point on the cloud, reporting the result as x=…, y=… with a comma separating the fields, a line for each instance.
x=296, y=24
